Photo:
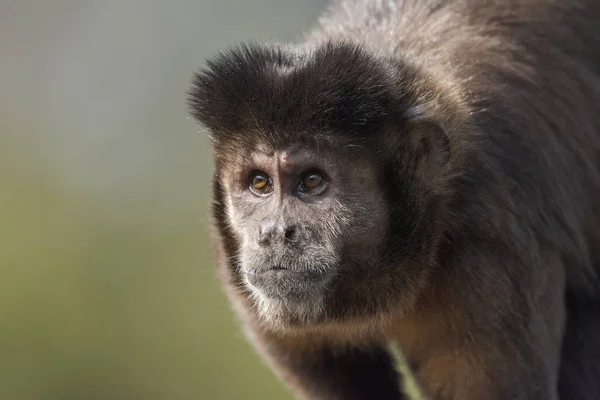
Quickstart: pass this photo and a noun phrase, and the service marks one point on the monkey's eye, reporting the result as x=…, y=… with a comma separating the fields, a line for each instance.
x=260, y=183
x=312, y=182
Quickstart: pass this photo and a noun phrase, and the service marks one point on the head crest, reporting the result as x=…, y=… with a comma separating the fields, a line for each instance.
x=281, y=90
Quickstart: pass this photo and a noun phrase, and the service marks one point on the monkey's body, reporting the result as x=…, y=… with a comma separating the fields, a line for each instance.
x=479, y=248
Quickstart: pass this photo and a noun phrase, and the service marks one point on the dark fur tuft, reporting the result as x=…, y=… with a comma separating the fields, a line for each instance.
x=336, y=87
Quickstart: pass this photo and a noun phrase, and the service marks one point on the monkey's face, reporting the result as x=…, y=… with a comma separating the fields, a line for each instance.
x=327, y=182
x=306, y=221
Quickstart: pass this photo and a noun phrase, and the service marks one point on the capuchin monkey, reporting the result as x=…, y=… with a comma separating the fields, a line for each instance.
x=417, y=172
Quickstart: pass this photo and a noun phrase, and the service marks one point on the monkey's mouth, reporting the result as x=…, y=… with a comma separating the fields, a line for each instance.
x=278, y=282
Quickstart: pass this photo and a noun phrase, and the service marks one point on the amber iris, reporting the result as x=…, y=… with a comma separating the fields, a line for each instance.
x=312, y=180
x=260, y=182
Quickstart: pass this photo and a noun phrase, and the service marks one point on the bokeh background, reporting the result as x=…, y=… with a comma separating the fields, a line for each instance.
x=107, y=284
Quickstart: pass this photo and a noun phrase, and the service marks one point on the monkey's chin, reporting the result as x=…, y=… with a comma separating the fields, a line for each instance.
x=285, y=298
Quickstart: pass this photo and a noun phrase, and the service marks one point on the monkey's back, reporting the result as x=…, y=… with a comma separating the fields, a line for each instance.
x=528, y=75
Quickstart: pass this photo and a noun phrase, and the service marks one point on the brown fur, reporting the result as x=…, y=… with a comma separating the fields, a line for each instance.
x=461, y=141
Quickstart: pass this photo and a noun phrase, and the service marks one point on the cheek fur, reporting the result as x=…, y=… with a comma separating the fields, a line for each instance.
x=231, y=215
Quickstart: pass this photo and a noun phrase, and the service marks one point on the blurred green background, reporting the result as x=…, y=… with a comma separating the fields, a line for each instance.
x=107, y=284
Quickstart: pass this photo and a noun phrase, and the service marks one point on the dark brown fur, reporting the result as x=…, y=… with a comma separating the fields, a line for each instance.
x=473, y=238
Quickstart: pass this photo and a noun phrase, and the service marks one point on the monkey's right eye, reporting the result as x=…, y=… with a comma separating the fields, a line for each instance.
x=260, y=183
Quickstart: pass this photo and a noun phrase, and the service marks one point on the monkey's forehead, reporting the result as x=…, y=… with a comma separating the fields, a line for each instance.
x=326, y=154
x=276, y=92
x=295, y=143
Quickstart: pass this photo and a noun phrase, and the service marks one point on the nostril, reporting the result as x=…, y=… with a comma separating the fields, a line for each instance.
x=289, y=233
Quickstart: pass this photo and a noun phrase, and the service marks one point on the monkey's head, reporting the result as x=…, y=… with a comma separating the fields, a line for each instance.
x=328, y=180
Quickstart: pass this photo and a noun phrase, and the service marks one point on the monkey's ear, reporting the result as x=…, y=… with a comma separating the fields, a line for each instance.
x=429, y=140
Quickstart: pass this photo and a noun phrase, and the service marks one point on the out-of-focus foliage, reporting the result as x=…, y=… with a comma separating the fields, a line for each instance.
x=107, y=284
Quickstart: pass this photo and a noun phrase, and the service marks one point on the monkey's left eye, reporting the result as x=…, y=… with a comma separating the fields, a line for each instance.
x=312, y=182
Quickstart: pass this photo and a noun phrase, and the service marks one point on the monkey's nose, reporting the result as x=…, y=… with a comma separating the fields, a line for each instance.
x=270, y=233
